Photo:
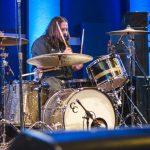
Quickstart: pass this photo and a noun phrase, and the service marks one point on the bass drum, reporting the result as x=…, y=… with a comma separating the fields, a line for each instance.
x=63, y=112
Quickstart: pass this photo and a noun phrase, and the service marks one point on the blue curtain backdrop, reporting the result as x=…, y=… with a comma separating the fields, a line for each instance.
x=39, y=15
x=96, y=17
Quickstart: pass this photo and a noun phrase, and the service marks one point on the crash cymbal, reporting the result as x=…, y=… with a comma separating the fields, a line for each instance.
x=58, y=60
x=128, y=30
x=9, y=40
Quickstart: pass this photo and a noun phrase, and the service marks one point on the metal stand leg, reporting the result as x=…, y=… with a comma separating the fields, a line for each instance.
x=20, y=57
x=135, y=108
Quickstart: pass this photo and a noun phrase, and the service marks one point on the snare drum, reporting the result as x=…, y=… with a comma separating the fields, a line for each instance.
x=63, y=112
x=30, y=102
x=107, y=72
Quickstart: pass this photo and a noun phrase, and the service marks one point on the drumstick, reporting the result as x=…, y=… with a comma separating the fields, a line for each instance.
x=61, y=34
x=41, y=71
x=82, y=40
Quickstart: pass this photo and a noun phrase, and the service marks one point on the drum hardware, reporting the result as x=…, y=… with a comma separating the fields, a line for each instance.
x=130, y=32
x=133, y=61
x=3, y=121
x=97, y=122
x=132, y=113
x=115, y=94
x=20, y=59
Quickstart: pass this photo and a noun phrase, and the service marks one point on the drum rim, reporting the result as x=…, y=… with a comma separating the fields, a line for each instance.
x=103, y=57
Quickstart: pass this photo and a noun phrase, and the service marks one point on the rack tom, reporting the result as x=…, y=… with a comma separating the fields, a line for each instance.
x=107, y=72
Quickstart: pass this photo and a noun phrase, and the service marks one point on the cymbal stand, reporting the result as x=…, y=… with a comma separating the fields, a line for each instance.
x=20, y=58
x=131, y=49
x=40, y=123
x=3, y=91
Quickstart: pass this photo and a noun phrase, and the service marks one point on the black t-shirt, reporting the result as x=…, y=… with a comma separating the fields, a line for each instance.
x=42, y=46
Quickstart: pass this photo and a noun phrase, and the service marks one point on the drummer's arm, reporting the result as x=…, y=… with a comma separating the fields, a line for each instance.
x=77, y=67
x=68, y=50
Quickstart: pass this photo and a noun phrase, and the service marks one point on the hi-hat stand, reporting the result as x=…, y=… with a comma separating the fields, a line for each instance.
x=3, y=63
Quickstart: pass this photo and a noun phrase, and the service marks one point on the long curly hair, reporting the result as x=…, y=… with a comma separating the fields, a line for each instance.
x=52, y=33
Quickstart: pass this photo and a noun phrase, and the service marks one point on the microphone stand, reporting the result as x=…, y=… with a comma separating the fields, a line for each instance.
x=20, y=58
x=88, y=114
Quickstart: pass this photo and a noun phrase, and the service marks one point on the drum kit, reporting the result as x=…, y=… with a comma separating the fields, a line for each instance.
x=80, y=105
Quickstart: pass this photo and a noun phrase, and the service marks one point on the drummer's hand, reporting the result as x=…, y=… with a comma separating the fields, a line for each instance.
x=38, y=73
x=77, y=67
x=68, y=50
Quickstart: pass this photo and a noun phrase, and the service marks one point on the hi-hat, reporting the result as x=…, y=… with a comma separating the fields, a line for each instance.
x=59, y=60
x=128, y=30
x=6, y=40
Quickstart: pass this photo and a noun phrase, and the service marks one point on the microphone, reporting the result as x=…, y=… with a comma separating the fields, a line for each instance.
x=86, y=111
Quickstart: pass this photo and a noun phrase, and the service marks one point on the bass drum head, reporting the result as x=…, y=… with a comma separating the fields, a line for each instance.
x=70, y=115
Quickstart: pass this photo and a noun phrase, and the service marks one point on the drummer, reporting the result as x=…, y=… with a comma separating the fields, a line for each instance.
x=52, y=42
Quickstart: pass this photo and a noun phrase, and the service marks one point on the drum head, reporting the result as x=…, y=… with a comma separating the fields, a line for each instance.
x=94, y=101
